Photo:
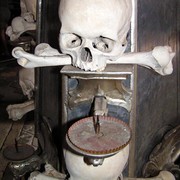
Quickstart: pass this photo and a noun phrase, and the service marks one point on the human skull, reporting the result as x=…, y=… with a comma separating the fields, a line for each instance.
x=94, y=31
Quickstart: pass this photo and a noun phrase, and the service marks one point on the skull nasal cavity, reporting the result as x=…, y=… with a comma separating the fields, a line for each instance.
x=86, y=55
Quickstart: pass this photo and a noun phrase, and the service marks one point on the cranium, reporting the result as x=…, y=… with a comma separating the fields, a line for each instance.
x=94, y=31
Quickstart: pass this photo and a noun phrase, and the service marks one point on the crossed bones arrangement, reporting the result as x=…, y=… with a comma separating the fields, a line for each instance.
x=93, y=34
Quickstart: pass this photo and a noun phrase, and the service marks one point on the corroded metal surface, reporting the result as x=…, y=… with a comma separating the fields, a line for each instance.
x=20, y=168
x=112, y=135
x=18, y=153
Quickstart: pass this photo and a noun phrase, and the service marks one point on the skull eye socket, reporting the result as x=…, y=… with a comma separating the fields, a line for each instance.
x=103, y=44
x=71, y=40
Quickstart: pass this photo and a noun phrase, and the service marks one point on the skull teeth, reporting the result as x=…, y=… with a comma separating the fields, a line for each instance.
x=86, y=55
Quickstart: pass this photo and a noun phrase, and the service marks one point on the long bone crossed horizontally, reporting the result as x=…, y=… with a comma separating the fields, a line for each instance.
x=159, y=59
x=93, y=33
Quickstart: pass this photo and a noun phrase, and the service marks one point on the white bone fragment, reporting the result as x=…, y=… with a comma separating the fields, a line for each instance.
x=159, y=59
x=163, y=175
x=49, y=174
x=17, y=111
x=51, y=171
x=51, y=58
x=19, y=25
x=26, y=81
x=28, y=6
x=40, y=176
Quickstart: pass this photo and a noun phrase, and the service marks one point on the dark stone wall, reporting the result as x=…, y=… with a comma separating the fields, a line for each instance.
x=47, y=79
x=48, y=85
x=157, y=105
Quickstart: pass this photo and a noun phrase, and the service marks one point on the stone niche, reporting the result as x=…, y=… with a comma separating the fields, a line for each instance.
x=156, y=105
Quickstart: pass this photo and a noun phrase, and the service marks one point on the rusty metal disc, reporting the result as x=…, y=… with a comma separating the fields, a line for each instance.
x=24, y=151
x=112, y=136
